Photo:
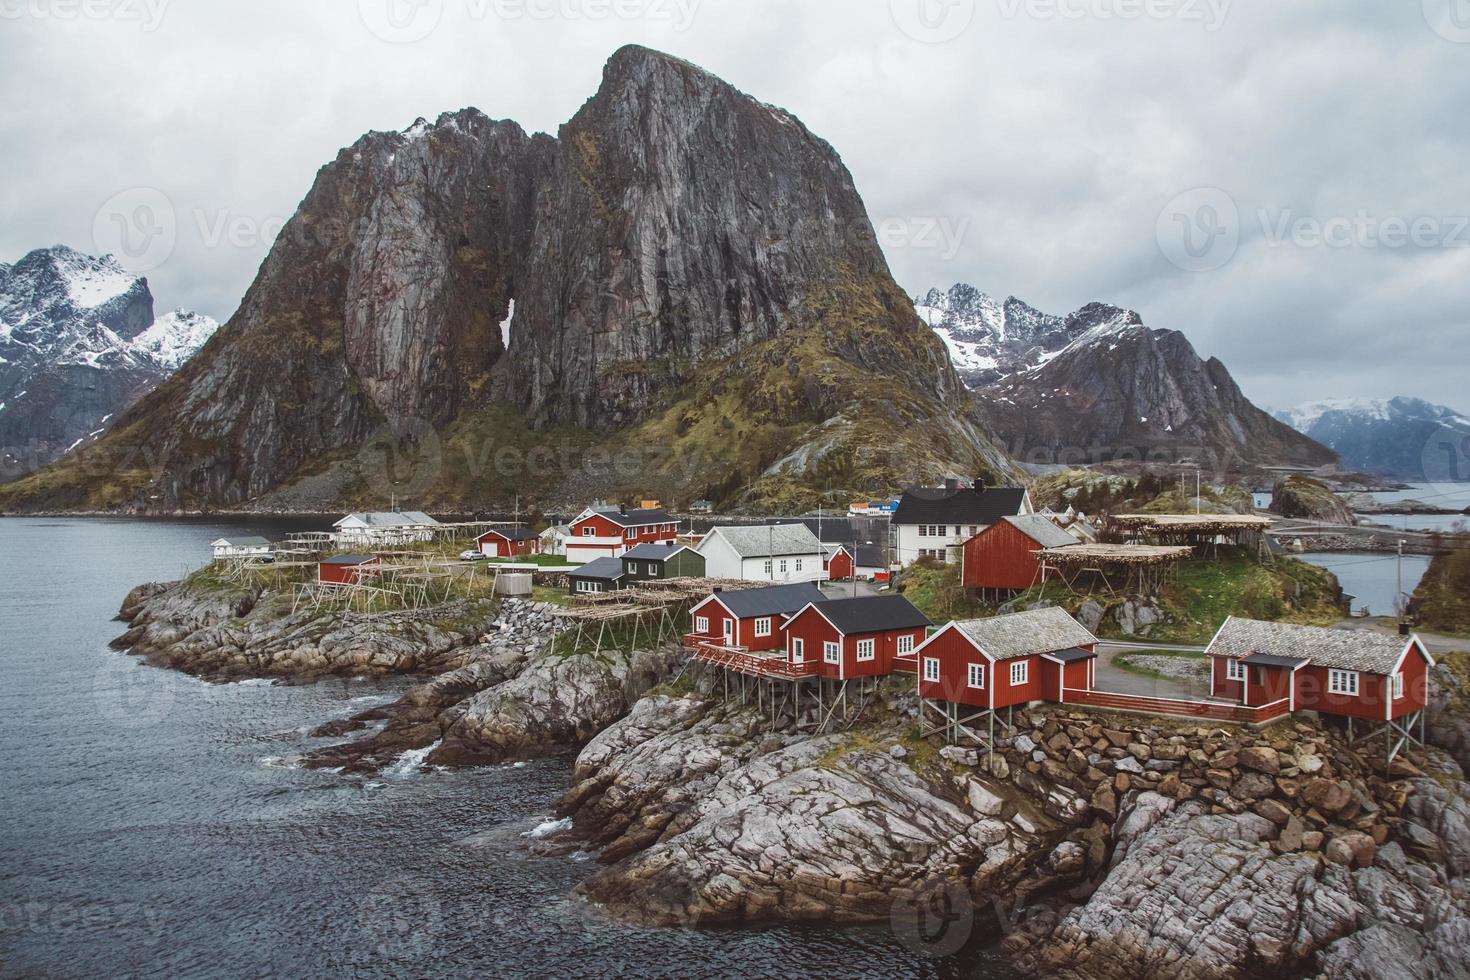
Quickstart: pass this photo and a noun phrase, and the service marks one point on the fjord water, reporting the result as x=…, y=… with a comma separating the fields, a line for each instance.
x=158, y=826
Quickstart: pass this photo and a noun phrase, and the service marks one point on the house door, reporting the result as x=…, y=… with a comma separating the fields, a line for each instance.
x=798, y=650
x=729, y=632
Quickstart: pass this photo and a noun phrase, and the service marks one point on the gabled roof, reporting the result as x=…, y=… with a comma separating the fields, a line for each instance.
x=603, y=568
x=1071, y=656
x=349, y=559
x=924, y=505
x=1022, y=634
x=632, y=517
x=511, y=534
x=565, y=530
x=870, y=556
x=766, y=541
x=649, y=551
x=250, y=541
x=388, y=518
x=1375, y=653
x=1043, y=530
x=828, y=530
x=870, y=614
x=773, y=600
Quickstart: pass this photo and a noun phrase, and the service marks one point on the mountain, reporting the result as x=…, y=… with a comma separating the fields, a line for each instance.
x=1402, y=437
x=78, y=344
x=1099, y=385
x=696, y=294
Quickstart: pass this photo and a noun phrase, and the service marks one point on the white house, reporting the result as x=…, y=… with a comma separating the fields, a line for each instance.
x=934, y=523
x=384, y=527
x=554, y=539
x=773, y=553
x=249, y=546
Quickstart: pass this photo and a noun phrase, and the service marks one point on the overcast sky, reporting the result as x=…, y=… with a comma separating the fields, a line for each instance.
x=1315, y=152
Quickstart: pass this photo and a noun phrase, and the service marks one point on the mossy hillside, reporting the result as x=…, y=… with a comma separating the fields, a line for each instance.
x=1304, y=497
x=1442, y=598
x=1149, y=493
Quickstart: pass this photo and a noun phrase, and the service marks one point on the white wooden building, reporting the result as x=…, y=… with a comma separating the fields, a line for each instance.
x=772, y=553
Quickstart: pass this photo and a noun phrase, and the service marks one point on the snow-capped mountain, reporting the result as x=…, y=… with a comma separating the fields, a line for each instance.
x=990, y=339
x=1405, y=438
x=1098, y=384
x=78, y=344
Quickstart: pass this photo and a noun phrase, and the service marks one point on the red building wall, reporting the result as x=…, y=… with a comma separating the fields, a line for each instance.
x=502, y=547
x=604, y=528
x=744, y=629
x=1000, y=557
x=840, y=567
x=344, y=574
x=814, y=631
x=956, y=653
x=1076, y=676
x=1312, y=693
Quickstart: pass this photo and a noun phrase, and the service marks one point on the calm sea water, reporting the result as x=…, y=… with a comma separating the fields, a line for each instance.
x=1372, y=577
x=1451, y=496
x=158, y=826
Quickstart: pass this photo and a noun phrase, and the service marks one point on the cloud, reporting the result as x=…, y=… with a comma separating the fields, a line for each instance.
x=1048, y=134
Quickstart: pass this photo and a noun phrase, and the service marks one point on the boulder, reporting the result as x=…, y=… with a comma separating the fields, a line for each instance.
x=1261, y=759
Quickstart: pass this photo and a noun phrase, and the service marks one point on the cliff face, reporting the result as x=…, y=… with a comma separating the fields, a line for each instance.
x=1122, y=390
x=676, y=228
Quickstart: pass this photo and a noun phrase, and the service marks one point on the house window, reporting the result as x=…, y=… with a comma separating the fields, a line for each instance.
x=956, y=530
x=798, y=650
x=783, y=566
x=763, y=627
x=1342, y=682
x=631, y=532
x=974, y=529
x=798, y=564
x=701, y=625
x=977, y=675
x=768, y=567
x=931, y=669
x=1234, y=670
x=1019, y=672
x=865, y=650
x=588, y=530
x=905, y=644
x=830, y=653
x=1398, y=686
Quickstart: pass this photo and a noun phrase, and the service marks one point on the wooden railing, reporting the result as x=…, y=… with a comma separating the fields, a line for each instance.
x=1178, y=707
x=771, y=663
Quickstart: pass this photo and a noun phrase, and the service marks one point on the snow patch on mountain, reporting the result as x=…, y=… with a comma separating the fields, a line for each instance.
x=174, y=337
x=1399, y=437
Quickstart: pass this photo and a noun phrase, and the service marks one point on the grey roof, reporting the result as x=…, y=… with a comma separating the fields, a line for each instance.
x=870, y=556
x=772, y=600
x=512, y=533
x=828, y=530
x=1267, y=660
x=602, y=568
x=634, y=516
x=770, y=540
x=348, y=559
x=872, y=614
x=1375, y=653
x=986, y=505
x=1022, y=634
x=392, y=518
x=653, y=552
x=1042, y=530
x=251, y=541
x=1072, y=655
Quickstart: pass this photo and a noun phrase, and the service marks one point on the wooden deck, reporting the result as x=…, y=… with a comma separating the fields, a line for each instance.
x=762, y=663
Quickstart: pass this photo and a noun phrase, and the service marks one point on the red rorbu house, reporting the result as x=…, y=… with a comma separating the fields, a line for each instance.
x=1359, y=674
x=508, y=542
x=867, y=636
x=837, y=562
x=1003, y=557
x=607, y=532
x=749, y=619
x=347, y=569
x=968, y=670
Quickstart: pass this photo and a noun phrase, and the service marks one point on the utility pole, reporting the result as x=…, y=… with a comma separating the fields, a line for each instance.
x=1196, y=489
x=1398, y=588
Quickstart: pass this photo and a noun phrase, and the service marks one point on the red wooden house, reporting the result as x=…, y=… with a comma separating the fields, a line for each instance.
x=607, y=532
x=1003, y=557
x=750, y=618
x=347, y=569
x=985, y=664
x=866, y=636
x=837, y=562
x=1353, y=673
x=508, y=542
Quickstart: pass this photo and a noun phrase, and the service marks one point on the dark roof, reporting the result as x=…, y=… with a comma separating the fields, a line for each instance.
x=512, y=533
x=1270, y=660
x=985, y=506
x=872, y=614
x=870, y=556
x=348, y=559
x=771, y=600
x=1071, y=655
x=636, y=517
x=652, y=552
x=829, y=530
x=601, y=568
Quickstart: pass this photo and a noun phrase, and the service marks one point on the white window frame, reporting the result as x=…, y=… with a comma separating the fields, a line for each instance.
x=906, y=643
x=701, y=625
x=1020, y=672
x=631, y=532
x=782, y=566
x=763, y=626
x=1343, y=682
x=588, y=531
x=831, y=652
x=931, y=669
x=1398, y=686
x=798, y=564
x=768, y=567
x=866, y=650
x=976, y=675
x=1234, y=670
x=798, y=650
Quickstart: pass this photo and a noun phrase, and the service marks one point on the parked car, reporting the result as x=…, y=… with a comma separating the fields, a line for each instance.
x=472, y=554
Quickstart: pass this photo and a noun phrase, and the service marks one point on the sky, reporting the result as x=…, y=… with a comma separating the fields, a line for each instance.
x=1288, y=183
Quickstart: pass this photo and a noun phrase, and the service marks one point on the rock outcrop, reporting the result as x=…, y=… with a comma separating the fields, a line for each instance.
x=1302, y=496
